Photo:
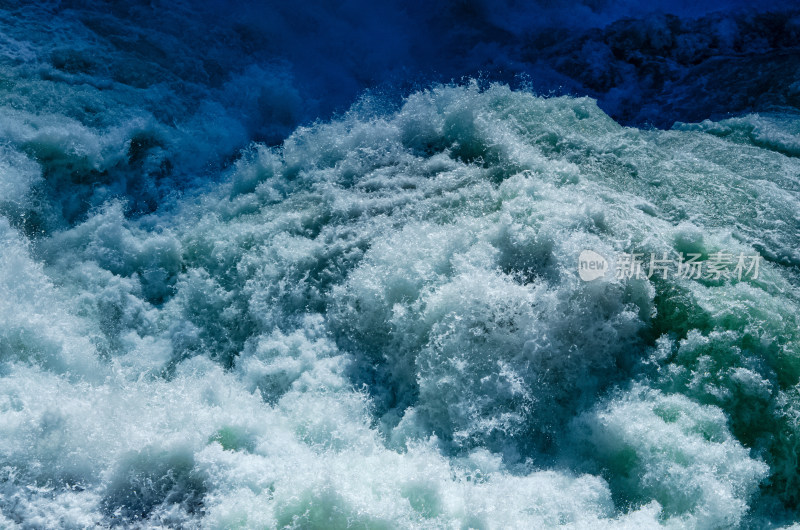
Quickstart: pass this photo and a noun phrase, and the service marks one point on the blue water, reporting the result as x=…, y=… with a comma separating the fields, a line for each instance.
x=269, y=266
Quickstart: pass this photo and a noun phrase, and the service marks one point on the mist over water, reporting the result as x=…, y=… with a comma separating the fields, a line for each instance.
x=265, y=266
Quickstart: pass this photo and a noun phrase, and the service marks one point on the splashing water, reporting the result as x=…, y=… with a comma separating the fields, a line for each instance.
x=380, y=324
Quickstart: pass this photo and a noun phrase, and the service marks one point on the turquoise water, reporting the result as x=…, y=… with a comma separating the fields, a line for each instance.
x=380, y=323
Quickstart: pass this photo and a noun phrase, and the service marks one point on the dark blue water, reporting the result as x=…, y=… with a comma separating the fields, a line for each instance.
x=325, y=266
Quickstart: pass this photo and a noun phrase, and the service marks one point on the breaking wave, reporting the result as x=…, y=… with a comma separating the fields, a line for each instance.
x=230, y=297
x=379, y=323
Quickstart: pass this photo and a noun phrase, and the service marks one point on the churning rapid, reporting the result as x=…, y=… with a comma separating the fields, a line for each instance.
x=379, y=322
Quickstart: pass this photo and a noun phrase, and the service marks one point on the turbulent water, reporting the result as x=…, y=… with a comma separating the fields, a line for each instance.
x=375, y=320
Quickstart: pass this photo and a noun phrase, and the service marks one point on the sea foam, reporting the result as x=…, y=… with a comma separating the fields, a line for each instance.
x=380, y=324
